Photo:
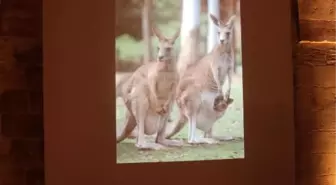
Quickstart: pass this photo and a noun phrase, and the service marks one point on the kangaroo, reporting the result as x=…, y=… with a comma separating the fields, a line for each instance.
x=118, y=89
x=149, y=94
x=120, y=83
x=199, y=93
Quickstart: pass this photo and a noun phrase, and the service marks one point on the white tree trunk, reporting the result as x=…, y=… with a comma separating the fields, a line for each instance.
x=190, y=47
x=213, y=8
x=191, y=10
x=146, y=30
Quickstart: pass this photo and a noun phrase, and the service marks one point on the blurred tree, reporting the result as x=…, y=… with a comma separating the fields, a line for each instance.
x=190, y=29
x=129, y=15
x=163, y=10
x=146, y=30
x=225, y=8
x=238, y=30
x=232, y=11
x=190, y=17
x=128, y=18
x=213, y=8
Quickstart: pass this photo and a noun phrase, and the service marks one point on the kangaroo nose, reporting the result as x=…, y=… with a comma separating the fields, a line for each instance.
x=221, y=41
x=160, y=57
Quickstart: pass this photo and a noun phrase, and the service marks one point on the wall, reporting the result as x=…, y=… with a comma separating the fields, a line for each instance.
x=315, y=94
x=21, y=118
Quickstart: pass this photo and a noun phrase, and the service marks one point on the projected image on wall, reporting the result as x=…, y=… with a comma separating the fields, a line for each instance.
x=179, y=89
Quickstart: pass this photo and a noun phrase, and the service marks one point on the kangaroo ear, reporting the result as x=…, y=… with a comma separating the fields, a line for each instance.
x=176, y=35
x=215, y=20
x=230, y=22
x=158, y=34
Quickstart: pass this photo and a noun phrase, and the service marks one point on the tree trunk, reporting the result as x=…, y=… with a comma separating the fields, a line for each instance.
x=190, y=47
x=232, y=11
x=190, y=17
x=213, y=8
x=237, y=25
x=146, y=30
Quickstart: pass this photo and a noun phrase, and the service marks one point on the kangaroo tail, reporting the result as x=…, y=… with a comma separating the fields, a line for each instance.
x=129, y=124
x=176, y=126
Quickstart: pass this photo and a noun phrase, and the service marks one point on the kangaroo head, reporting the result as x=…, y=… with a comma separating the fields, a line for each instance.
x=225, y=29
x=165, y=46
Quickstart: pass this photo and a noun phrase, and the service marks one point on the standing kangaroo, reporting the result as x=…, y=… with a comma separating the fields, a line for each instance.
x=199, y=92
x=149, y=94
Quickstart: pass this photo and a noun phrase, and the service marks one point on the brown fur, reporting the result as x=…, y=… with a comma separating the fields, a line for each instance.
x=199, y=92
x=148, y=95
x=120, y=83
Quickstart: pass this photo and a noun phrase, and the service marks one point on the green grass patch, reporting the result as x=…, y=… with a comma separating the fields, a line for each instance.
x=231, y=124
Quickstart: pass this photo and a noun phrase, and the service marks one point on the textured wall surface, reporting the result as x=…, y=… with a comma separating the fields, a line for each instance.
x=315, y=94
x=21, y=118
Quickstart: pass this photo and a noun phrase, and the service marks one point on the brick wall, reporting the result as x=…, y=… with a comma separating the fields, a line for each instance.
x=21, y=117
x=315, y=94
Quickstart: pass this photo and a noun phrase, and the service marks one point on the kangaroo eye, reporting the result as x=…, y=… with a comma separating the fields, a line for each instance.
x=158, y=48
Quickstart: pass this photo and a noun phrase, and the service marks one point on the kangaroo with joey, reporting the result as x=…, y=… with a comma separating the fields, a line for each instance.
x=199, y=93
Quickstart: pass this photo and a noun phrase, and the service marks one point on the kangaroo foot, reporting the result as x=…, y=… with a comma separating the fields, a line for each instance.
x=150, y=146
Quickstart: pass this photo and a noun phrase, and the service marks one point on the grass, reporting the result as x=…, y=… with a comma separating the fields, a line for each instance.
x=231, y=124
